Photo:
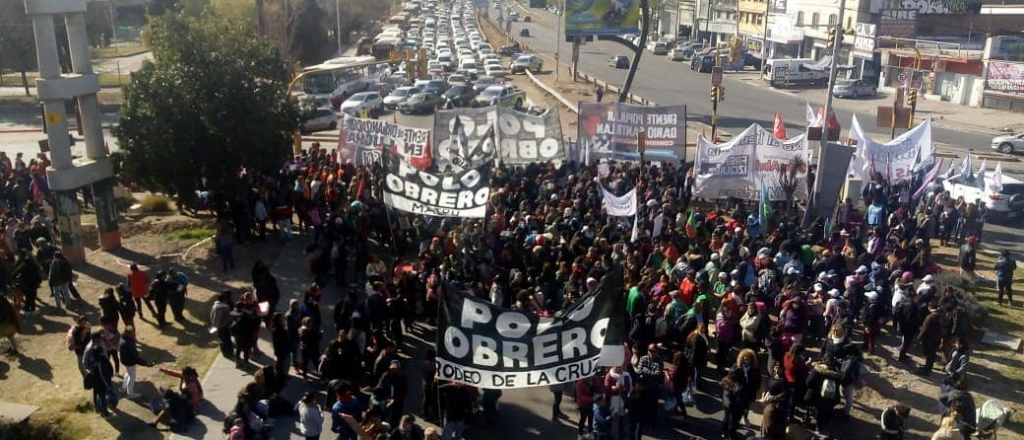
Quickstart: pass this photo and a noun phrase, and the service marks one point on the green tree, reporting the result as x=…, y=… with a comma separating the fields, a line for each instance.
x=213, y=101
x=17, y=42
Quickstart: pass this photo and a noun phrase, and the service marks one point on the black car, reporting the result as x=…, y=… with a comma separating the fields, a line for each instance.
x=420, y=103
x=459, y=95
x=509, y=50
x=619, y=61
x=435, y=87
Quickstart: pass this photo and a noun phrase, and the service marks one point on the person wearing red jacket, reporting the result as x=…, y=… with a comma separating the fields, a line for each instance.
x=586, y=390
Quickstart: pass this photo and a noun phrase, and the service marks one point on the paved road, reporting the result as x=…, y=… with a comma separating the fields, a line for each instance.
x=126, y=64
x=748, y=100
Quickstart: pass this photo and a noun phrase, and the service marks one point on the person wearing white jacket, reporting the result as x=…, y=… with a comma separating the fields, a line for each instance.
x=311, y=416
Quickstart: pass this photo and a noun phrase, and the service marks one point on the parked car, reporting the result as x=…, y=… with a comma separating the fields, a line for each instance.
x=619, y=62
x=420, y=103
x=527, y=62
x=320, y=119
x=459, y=95
x=1008, y=144
x=676, y=54
x=853, y=88
x=399, y=96
x=1008, y=201
x=369, y=101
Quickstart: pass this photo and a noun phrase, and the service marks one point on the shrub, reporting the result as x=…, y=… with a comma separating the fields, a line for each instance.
x=972, y=310
x=155, y=203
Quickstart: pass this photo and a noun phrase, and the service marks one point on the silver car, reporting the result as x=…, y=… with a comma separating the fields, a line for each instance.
x=1009, y=143
x=853, y=88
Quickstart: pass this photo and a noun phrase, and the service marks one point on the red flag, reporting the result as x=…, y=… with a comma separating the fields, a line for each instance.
x=425, y=160
x=361, y=186
x=833, y=122
x=779, y=128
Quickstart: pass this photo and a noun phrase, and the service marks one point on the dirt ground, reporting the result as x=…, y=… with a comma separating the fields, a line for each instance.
x=44, y=373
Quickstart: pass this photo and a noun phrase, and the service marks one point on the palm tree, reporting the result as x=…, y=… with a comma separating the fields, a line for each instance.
x=788, y=178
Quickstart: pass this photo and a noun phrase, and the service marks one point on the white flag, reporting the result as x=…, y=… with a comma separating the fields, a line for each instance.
x=995, y=184
x=966, y=168
x=979, y=179
x=809, y=113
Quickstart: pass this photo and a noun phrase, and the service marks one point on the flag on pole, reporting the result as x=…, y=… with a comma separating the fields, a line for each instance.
x=635, y=236
x=995, y=184
x=828, y=227
x=930, y=176
x=809, y=114
x=966, y=167
x=691, y=225
x=952, y=169
x=764, y=208
x=979, y=179
x=779, y=127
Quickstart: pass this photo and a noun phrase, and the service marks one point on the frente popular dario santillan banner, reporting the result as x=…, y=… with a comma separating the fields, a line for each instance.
x=486, y=346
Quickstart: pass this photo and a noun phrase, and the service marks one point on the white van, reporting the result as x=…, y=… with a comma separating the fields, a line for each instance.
x=793, y=72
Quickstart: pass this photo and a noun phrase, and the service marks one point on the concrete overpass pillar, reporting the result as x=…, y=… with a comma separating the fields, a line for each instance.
x=66, y=177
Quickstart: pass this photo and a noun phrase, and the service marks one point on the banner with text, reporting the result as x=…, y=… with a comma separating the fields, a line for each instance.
x=447, y=194
x=361, y=141
x=619, y=206
x=738, y=167
x=895, y=160
x=601, y=17
x=485, y=346
x=608, y=130
x=520, y=138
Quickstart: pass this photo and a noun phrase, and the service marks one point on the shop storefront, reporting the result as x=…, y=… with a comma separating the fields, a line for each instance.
x=784, y=39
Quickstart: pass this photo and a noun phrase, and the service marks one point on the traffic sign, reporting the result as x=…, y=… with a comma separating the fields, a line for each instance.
x=716, y=75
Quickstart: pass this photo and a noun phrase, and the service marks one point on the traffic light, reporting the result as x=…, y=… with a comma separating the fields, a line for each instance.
x=912, y=97
x=831, y=41
x=717, y=93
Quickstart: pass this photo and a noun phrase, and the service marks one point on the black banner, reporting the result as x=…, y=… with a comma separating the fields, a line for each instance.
x=486, y=346
x=448, y=194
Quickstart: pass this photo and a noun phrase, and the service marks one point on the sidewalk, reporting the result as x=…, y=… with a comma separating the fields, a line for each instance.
x=223, y=380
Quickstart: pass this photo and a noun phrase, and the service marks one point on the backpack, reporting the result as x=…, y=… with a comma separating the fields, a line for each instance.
x=829, y=389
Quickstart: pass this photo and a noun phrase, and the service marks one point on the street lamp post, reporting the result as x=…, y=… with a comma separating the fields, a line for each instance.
x=815, y=194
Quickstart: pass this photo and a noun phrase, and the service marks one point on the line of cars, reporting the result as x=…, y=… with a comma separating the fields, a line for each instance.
x=463, y=70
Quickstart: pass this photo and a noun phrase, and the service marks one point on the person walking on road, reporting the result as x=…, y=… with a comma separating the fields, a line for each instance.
x=220, y=320
x=59, y=279
x=27, y=278
x=346, y=413
x=599, y=93
x=131, y=359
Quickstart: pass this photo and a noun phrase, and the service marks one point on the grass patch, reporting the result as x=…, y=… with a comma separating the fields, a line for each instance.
x=119, y=51
x=155, y=203
x=187, y=234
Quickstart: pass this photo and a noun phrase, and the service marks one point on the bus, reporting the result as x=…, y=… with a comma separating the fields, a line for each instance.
x=330, y=83
x=382, y=48
x=400, y=19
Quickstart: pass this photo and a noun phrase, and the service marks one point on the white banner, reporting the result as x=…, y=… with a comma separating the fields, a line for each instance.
x=895, y=160
x=617, y=206
x=737, y=168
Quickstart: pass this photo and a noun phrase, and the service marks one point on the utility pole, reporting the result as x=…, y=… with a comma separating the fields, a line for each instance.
x=764, y=41
x=558, y=44
x=707, y=24
x=828, y=111
x=337, y=29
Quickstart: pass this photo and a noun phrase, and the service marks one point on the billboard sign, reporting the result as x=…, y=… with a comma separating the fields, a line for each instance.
x=602, y=17
x=1005, y=77
x=897, y=22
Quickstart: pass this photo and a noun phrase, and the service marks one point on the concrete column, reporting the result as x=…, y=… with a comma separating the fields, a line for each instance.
x=88, y=105
x=106, y=214
x=53, y=109
x=69, y=225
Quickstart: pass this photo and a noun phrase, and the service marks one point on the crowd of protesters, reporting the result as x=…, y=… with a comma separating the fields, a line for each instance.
x=785, y=314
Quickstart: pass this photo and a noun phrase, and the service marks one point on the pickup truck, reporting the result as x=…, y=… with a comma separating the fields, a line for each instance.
x=501, y=94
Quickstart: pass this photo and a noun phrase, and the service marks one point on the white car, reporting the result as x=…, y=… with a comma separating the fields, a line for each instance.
x=1008, y=201
x=676, y=54
x=368, y=101
x=399, y=96
x=494, y=71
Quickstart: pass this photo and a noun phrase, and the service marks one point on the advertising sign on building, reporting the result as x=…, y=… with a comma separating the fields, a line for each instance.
x=1005, y=77
x=864, y=39
x=602, y=17
x=937, y=7
x=897, y=22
